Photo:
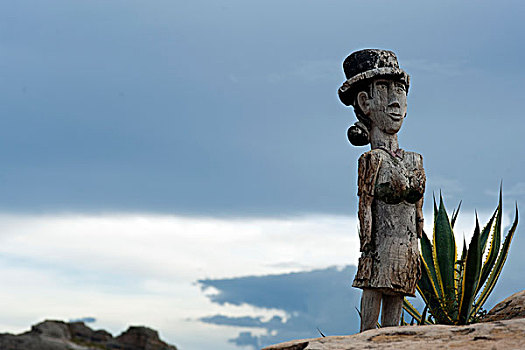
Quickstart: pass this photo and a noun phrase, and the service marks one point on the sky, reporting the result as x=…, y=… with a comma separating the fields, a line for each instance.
x=161, y=157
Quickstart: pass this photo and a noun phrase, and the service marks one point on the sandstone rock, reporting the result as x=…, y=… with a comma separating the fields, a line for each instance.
x=47, y=335
x=58, y=335
x=52, y=329
x=83, y=334
x=508, y=334
x=512, y=307
x=142, y=338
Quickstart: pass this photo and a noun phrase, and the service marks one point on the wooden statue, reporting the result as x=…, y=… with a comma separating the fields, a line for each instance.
x=391, y=183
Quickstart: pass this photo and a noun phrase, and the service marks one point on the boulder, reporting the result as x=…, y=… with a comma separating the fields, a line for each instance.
x=52, y=329
x=142, y=338
x=47, y=335
x=83, y=334
x=512, y=307
x=508, y=334
x=59, y=335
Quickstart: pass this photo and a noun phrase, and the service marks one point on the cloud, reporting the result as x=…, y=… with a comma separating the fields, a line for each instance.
x=84, y=319
x=246, y=339
x=252, y=322
x=120, y=267
x=321, y=298
x=157, y=246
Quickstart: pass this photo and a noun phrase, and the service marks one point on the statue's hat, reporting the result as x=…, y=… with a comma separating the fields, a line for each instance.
x=364, y=65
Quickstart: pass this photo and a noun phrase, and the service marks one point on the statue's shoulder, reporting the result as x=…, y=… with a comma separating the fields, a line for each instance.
x=414, y=157
x=372, y=155
x=369, y=163
x=414, y=154
x=367, y=169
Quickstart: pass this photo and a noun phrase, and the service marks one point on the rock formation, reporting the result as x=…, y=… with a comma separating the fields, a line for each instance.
x=512, y=307
x=58, y=335
x=502, y=328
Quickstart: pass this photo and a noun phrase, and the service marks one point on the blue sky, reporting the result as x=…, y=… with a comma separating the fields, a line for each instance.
x=227, y=110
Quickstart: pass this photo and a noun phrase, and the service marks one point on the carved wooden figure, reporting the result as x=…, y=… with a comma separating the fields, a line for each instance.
x=391, y=183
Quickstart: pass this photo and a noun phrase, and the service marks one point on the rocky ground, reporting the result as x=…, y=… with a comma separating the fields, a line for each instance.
x=58, y=335
x=502, y=328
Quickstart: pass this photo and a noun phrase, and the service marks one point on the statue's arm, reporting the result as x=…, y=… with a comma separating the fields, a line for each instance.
x=419, y=204
x=365, y=221
x=419, y=218
x=367, y=173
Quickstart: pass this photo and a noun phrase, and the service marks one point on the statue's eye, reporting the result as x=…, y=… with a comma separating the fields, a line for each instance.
x=382, y=85
x=400, y=88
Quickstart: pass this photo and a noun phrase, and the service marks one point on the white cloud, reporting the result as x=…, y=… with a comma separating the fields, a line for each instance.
x=176, y=248
x=141, y=269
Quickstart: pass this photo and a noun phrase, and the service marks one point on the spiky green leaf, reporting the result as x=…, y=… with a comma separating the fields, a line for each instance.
x=426, y=255
x=423, y=316
x=445, y=255
x=435, y=207
x=495, y=243
x=322, y=335
x=498, y=267
x=469, y=283
x=486, y=230
x=460, y=268
x=429, y=293
x=412, y=311
x=455, y=215
x=403, y=323
x=464, y=251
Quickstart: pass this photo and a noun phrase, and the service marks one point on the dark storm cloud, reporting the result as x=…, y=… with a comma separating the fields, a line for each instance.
x=321, y=299
x=245, y=321
x=230, y=107
x=246, y=339
x=84, y=319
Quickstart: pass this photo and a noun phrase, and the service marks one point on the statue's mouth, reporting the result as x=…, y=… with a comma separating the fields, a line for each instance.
x=395, y=116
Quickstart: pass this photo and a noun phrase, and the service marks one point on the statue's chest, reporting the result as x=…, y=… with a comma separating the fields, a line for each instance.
x=399, y=179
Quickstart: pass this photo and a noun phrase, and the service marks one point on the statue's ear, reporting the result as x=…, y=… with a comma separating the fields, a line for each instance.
x=363, y=102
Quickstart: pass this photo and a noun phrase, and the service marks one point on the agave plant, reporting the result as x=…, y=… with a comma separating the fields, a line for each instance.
x=455, y=289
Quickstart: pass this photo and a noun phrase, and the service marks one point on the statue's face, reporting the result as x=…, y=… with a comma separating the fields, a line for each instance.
x=387, y=106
